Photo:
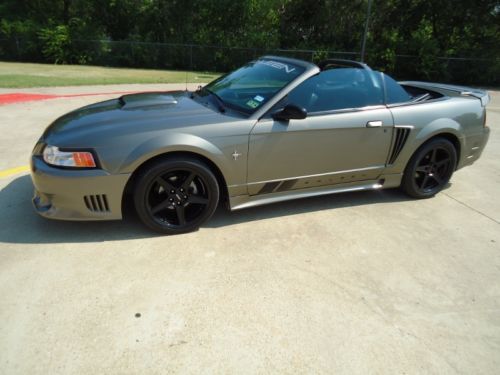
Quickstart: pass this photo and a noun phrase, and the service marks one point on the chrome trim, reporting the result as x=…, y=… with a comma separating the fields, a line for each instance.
x=405, y=104
x=240, y=202
x=265, y=117
x=374, y=124
x=319, y=175
x=346, y=110
x=382, y=182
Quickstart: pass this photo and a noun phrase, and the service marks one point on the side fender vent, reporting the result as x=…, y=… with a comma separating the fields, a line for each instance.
x=399, y=142
x=96, y=203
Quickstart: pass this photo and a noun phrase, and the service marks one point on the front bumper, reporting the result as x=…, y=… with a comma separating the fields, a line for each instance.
x=66, y=194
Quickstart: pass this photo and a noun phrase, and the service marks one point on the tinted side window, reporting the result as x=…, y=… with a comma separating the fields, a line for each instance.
x=340, y=88
x=395, y=93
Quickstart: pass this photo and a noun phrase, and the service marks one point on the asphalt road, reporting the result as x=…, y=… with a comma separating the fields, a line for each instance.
x=368, y=282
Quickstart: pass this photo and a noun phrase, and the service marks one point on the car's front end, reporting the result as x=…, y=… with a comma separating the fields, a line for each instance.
x=77, y=165
x=68, y=191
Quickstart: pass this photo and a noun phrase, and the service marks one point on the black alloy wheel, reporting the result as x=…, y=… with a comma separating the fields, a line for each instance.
x=430, y=168
x=176, y=195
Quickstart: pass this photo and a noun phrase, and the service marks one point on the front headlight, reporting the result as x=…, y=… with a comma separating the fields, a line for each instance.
x=78, y=159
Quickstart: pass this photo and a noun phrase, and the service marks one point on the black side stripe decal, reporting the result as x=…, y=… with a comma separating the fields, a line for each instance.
x=269, y=187
x=277, y=186
x=286, y=185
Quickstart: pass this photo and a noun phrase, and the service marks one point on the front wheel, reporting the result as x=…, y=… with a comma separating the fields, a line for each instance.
x=429, y=169
x=176, y=196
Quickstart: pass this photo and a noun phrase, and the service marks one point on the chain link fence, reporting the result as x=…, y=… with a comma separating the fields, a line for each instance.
x=172, y=56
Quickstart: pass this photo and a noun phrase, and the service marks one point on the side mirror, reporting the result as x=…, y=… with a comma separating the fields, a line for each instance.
x=290, y=112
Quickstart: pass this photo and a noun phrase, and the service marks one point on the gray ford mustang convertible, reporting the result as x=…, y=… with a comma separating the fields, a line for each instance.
x=273, y=130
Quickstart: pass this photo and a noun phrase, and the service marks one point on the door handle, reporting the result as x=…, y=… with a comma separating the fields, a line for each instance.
x=374, y=124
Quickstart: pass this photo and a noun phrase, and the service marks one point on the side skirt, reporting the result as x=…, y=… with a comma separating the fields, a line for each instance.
x=245, y=201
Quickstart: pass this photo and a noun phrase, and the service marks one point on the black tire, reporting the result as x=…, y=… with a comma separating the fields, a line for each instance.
x=429, y=169
x=176, y=195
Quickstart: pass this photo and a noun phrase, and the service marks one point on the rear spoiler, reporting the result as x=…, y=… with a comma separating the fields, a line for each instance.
x=482, y=95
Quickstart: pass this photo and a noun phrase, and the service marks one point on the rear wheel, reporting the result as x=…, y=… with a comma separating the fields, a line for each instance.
x=430, y=168
x=175, y=196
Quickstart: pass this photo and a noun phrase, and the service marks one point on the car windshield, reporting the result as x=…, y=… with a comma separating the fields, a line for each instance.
x=252, y=85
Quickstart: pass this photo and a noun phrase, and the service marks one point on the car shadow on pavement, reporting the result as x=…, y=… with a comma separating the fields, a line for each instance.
x=223, y=218
x=20, y=224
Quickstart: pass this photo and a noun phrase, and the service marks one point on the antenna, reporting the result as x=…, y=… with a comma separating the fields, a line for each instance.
x=190, y=64
x=363, y=46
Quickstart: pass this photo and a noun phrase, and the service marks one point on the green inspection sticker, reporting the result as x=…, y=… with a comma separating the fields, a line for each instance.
x=252, y=103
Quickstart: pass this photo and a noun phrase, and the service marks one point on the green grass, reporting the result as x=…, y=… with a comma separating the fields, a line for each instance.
x=44, y=75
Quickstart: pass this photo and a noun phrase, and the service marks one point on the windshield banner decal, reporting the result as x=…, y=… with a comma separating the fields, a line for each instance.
x=277, y=65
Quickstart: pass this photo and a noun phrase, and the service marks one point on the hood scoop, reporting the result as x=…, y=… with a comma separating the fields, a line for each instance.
x=146, y=100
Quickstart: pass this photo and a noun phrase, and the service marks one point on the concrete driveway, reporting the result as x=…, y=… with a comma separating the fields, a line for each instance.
x=369, y=282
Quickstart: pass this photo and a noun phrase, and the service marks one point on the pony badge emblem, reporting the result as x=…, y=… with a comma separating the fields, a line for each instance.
x=235, y=155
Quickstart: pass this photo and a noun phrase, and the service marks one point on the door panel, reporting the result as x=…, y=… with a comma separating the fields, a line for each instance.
x=319, y=150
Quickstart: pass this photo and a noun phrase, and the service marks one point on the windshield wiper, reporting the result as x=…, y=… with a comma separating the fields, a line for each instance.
x=220, y=102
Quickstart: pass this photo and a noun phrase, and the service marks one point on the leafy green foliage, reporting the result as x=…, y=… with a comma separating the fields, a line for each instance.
x=409, y=38
x=56, y=43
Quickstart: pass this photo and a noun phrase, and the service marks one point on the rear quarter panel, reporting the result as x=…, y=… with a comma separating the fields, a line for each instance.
x=461, y=117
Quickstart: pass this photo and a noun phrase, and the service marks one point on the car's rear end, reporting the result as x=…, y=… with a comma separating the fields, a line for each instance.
x=467, y=107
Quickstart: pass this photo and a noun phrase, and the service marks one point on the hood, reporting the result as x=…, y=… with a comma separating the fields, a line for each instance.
x=133, y=113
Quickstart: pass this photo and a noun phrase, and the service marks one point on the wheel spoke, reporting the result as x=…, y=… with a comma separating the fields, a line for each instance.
x=437, y=178
x=434, y=155
x=188, y=180
x=440, y=163
x=181, y=214
x=159, y=207
x=424, y=182
x=164, y=184
x=421, y=168
x=196, y=199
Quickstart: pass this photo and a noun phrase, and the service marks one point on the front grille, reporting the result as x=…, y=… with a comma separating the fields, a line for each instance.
x=399, y=142
x=96, y=203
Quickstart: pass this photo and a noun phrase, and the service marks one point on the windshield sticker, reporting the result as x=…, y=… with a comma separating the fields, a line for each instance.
x=278, y=65
x=258, y=98
x=253, y=104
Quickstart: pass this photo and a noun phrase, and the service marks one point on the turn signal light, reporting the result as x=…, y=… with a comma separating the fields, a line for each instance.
x=84, y=159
